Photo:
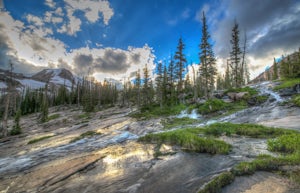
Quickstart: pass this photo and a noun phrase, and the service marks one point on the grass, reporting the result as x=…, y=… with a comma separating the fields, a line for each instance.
x=250, y=130
x=39, y=139
x=285, y=143
x=84, y=116
x=155, y=111
x=296, y=100
x=251, y=91
x=85, y=135
x=54, y=116
x=189, y=140
x=287, y=83
x=174, y=122
x=212, y=105
x=218, y=182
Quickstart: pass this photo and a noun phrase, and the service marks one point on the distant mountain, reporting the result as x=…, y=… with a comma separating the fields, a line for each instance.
x=55, y=78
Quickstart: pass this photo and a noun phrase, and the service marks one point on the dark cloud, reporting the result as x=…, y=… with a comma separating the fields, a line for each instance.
x=270, y=25
x=5, y=47
x=83, y=64
x=284, y=37
x=112, y=62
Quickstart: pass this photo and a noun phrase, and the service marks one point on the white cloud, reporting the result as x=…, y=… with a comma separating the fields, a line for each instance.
x=34, y=20
x=50, y=3
x=92, y=9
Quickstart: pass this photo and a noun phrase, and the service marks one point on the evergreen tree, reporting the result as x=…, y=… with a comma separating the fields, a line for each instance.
x=227, y=81
x=207, y=69
x=180, y=64
x=146, y=86
x=17, y=128
x=275, y=70
x=138, y=87
x=235, y=56
x=159, y=82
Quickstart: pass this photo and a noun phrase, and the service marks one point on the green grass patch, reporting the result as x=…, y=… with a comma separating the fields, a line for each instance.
x=218, y=182
x=287, y=83
x=84, y=116
x=251, y=91
x=261, y=99
x=39, y=139
x=174, y=122
x=212, y=105
x=285, y=143
x=189, y=140
x=54, y=116
x=296, y=100
x=250, y=130
x=155, y=111
x=85, y=135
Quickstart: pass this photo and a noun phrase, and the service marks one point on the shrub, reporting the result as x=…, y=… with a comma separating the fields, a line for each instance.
x=296, y=100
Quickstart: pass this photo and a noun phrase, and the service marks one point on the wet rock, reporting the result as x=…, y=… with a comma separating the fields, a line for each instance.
x=287, y=92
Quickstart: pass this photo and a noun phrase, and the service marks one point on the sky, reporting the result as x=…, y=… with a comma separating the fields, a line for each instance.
x=113, y=38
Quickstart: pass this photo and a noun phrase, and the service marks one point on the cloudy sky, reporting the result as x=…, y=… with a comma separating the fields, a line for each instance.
x=112, y=39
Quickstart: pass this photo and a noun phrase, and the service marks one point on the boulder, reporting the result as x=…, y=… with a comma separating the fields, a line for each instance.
x=287, y=92
x=237, y=95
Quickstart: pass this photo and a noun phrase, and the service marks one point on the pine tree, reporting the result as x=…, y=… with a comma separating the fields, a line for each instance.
x=146, y=86
x=180, y=64
x=138, y=87
x=275, y=70
x=159, y=82
x=17, y=128
x=171, y=81
x=227, y=81
x=235, y=56
x=207, y=69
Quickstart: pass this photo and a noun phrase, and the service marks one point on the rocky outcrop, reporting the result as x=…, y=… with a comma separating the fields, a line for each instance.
x=290, y=90
x=235, y=96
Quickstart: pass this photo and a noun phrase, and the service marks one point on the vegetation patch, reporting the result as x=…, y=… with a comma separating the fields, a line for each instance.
x=87, y=134
x=54, y=116
x=174, y=122
x=248, y=89
x=212, y=105
x=189, y=140
x=218, y=182
x=250, y=130
x=155, y=111
x=296, y=100
x=84, y=116
x=39, y=139
x=288, y=83
x=285, y=143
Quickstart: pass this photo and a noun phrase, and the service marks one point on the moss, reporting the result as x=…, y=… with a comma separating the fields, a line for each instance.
x=261, y=99
x=250, y=130
x=189, y=141
x=39, y=139
x=287, y=83
x=85, y=135
x=218, y=182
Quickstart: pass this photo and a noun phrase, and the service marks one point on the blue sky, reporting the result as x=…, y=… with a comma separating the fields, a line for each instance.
x=115, y=38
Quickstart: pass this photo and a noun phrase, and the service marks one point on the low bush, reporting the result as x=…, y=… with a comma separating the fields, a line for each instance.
x=296, y=100
x=248, y=89
x=285, y=143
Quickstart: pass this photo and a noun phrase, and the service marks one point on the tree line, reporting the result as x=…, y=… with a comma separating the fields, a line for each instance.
x=171, y=86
